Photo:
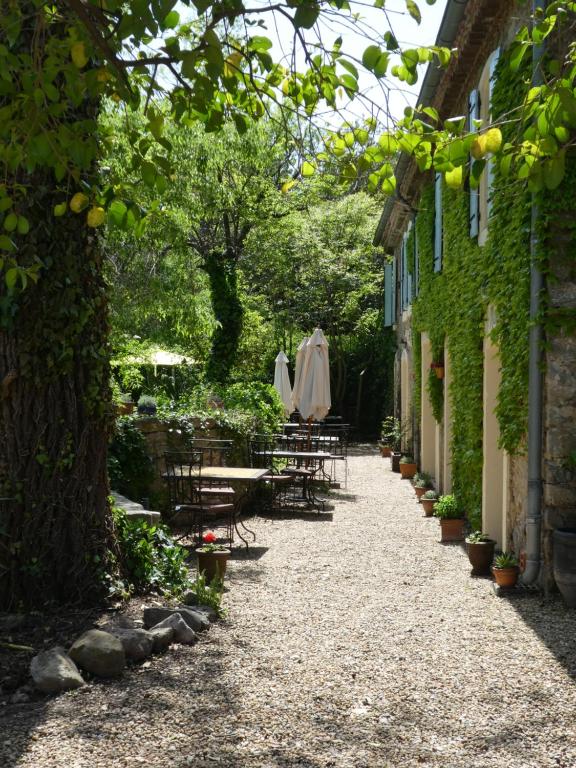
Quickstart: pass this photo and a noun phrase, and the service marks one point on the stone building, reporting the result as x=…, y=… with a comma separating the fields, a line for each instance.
x=480, y=290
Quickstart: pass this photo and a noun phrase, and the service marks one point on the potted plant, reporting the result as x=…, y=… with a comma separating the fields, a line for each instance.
x=212, y=557
x=390, y=436
x=421, y=482
x=428, y=500
x=125, y=404
x=505, y=569
x=448, y=511
x=147, y=405
x=480, y=549
x=407, y=467
x=438, y=369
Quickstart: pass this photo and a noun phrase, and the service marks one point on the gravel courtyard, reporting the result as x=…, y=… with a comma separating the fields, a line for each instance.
x=354, y=640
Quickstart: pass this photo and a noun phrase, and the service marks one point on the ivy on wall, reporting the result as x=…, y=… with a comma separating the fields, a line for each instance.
x=451, y=308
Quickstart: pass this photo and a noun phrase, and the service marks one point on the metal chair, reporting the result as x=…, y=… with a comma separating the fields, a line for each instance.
x=187, y=496
x=275, y=481
x=215, y=453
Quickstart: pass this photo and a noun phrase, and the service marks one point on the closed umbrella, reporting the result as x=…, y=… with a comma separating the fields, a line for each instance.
x=298, y=368
x=282, y=382
x=314, y=397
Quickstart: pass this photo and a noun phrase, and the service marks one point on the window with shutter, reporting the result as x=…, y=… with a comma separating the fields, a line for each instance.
x=490, y=165
x=388, y=292
x=474, y=114
x=438, y=223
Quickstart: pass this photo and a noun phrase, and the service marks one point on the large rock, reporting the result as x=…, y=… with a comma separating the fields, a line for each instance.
x=195, y=620
x=182, y=632
x=189, y=599
x=54, y=671
x=138, y=643
x=163, y=637
x=100, y=653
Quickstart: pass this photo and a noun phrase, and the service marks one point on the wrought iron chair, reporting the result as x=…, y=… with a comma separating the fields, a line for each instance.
x=275, y=482
x=215, y=453
x=187, y=498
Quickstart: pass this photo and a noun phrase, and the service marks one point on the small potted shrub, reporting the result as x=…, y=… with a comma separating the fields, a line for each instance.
x=480, y=549
x=147, y=405
x=390, y=437
x=448, y=511
x=505, y=569
x=407, y=467
x=428, y=500
x=212, y=557
x=421, y=482
x=125, y=404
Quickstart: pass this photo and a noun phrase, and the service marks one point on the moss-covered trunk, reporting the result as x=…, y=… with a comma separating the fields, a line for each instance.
x=227, y=307
x=55, y=523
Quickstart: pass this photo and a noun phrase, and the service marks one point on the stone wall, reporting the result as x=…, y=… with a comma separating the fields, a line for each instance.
x=559, y=469
x=165, y=436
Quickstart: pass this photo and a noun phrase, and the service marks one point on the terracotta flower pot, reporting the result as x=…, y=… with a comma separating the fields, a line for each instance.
x=439, y=371
x=451, y=530
x=419, y=492
x=213, y=564
x=506, y=577
x=407, y=470
x=395, y=459
x=385, y=450
x=428, y=505
x=480, y=554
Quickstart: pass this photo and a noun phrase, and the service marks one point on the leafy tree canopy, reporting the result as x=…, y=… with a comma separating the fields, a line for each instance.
x=209, y=62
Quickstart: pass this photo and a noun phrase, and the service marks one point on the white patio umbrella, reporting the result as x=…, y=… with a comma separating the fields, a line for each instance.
x=282, y=382
x=314, y=399
x=298, y=368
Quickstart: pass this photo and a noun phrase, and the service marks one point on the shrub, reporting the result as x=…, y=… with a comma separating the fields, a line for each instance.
x=477, y=537
x=201, y=593
x=422, y=480
x=430, y=495
x=129, y=467
x=150, y=560
x=447, y=508
x=407, y=460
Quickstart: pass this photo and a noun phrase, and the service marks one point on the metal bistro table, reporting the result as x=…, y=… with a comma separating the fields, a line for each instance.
x=245, y=478
x=307, y=458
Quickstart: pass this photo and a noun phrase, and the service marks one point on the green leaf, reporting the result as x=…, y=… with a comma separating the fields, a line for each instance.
x=381, y=65
x=11, y=222
x=553, y=171
x=413, y=10
x=349, y=66
x=11, y=277
x=308, y=169
x=6, y=244
x=5, y=203
x=389, y=185
x=60, y=209
x=371, y=56
x=171, y=20
x=517, y=52
x=23, y=225
x=148, y=171
x=306, y=15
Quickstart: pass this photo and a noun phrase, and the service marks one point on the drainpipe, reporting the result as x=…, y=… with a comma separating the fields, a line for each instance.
x=535, y=378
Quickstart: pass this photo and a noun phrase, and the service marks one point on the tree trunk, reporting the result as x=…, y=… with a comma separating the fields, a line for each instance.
x=227, y=307
x=56, y=530
x=55, y=413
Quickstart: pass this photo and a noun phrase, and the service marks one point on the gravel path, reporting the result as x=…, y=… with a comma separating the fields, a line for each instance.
x=355, y=640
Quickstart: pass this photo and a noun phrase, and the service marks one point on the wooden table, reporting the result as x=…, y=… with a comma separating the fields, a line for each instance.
x=245, y=477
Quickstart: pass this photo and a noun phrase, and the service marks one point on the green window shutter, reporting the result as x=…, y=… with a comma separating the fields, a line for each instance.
x=438, y=222
x=388, y=294
x=490, y=163
x=474, y=114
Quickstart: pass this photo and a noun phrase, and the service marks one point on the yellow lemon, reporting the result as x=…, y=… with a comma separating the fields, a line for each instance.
x=78, y=202
x=493, y=140
x=478, y=148
x=78, y=54
x=96, y=216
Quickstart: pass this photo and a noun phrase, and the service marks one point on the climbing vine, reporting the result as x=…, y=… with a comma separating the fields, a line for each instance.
x=452, y=306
